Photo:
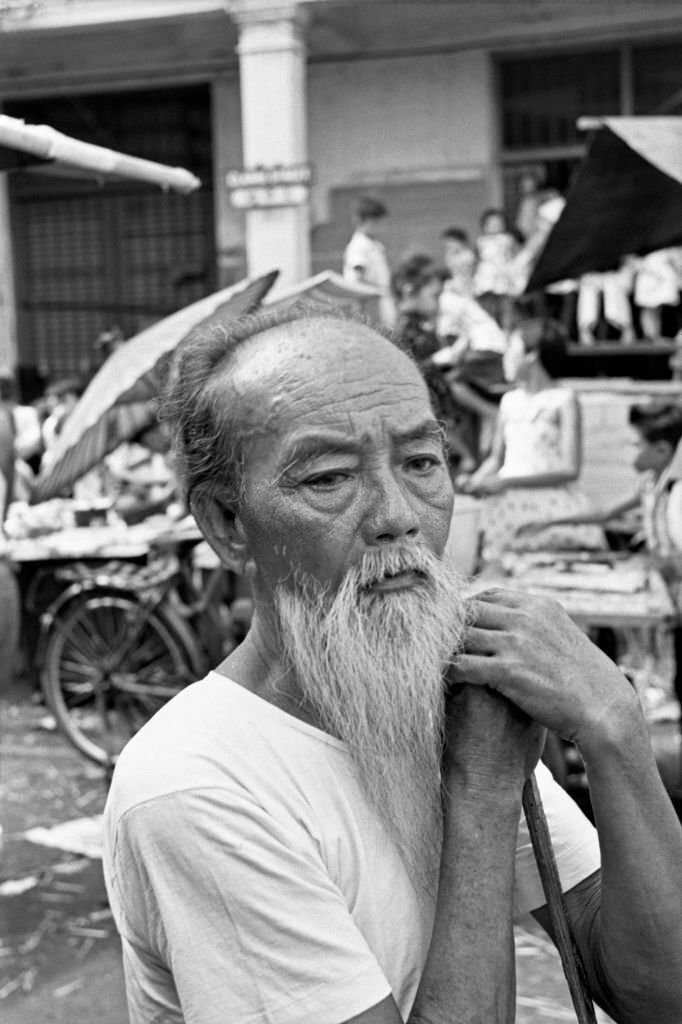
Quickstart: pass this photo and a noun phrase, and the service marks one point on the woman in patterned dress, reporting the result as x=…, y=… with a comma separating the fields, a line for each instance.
x=535, y=462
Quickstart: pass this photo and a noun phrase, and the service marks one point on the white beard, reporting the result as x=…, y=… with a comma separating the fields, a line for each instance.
x=370, y=664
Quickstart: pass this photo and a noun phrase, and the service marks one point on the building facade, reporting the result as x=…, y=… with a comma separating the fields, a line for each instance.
x=439, y=108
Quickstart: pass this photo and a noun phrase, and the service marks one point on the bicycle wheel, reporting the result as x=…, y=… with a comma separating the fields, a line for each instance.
x=110, y=663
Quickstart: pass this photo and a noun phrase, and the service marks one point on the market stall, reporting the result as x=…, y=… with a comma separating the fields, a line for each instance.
x=597, y=591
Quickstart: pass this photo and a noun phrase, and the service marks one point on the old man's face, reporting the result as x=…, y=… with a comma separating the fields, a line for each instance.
x=345, y=511
x=344, y=453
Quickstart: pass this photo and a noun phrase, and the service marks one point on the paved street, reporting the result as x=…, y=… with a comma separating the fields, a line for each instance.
x=59, y=958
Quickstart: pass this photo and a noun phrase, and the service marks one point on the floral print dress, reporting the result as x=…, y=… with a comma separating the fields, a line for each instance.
x=532, y=439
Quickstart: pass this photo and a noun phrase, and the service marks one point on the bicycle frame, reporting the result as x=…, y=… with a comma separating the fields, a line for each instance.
x=149, y=598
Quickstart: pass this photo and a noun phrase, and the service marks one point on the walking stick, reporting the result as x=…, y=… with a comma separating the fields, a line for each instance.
x=551, y=884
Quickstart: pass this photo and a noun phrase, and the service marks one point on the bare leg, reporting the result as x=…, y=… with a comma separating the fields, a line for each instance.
x=650, y=319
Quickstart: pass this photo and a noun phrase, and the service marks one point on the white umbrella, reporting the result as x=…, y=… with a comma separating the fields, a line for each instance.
x=329, y=290
x=24, y=145
x=119, y=400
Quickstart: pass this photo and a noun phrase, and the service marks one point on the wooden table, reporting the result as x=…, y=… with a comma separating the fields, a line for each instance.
x=615, y=601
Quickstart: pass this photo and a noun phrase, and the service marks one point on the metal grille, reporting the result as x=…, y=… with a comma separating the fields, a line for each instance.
x=90, y=258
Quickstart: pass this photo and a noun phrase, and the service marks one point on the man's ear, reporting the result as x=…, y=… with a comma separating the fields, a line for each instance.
x=223, y=530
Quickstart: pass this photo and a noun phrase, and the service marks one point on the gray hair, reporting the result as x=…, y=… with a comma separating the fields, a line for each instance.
x=203, y=423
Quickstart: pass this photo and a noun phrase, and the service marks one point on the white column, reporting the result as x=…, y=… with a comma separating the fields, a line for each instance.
x=272, y=65
x=227, y=155
x=8, y=312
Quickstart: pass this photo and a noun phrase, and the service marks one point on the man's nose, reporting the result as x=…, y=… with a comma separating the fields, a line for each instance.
x=390, y=514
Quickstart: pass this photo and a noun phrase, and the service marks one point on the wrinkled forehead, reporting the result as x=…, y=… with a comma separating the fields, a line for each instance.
x=323, y=371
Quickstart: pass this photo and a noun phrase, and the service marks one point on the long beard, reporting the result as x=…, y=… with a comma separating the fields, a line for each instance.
x=370, y=664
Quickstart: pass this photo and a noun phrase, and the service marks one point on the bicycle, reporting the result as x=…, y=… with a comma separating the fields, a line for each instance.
x=122, y=639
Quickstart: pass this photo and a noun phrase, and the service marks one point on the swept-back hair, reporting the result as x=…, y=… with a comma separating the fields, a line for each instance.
x=201, y=412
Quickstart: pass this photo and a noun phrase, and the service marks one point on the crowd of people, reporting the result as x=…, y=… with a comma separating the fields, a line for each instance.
x=328, y=826
x=135, y=479
x=639, y=299
x=491, y=355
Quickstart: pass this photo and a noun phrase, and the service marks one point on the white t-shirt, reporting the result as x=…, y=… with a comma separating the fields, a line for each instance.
x=252, y=882
x=364, y=259
x=463, y=317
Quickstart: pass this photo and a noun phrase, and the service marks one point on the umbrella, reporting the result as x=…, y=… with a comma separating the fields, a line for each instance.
x=119, y=400
x=328, y=290
x=626, y=198
x=43, y=148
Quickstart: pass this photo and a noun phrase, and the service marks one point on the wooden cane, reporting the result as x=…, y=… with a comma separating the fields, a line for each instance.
x=551, y=884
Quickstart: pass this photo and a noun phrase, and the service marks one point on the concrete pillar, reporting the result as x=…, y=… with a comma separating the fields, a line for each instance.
x=227, y=155
x=8, y=311
x=272, y=67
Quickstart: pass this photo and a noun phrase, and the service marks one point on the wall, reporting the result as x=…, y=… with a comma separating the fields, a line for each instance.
x=374, y=120
x=386, y=124
x=418, y=125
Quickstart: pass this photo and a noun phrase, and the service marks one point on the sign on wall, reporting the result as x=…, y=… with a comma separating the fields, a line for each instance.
x=262, y=187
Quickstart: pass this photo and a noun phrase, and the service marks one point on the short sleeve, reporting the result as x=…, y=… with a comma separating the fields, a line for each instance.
x=574, y=839
x=243, y=913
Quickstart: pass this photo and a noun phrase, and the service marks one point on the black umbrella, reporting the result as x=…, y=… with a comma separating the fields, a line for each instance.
x=626, y=199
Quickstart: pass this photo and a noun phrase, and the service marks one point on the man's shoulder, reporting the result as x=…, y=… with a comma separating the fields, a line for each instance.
x=216, y=735
x=163, y=756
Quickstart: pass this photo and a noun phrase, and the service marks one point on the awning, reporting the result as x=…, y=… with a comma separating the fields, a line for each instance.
x=37, y=145
x=626, y=198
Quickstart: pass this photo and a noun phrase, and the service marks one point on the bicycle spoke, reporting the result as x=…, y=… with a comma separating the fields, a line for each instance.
x=77, y=668
x=80, y=638
x=112, y=662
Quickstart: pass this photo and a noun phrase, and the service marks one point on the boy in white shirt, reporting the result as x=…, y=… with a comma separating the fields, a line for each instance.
x=364, y=258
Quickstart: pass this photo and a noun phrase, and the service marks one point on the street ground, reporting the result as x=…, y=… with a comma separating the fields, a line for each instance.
x=59, y=954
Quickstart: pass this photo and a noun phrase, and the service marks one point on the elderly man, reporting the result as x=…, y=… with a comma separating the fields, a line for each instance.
x=326, y=829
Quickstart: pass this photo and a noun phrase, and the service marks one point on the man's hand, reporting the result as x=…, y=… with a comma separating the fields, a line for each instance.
x=489, y=741
x=529, y=650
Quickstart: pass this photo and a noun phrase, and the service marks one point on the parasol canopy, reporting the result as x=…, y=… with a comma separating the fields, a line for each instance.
x=119, y=400
x=328, y=290
x=28, y=146
x=626, y=199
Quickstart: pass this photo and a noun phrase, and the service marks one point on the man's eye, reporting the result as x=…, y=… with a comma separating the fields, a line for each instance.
x=423, y=463
x=326, y=481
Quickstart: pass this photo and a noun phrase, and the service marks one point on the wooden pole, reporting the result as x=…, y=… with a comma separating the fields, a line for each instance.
x=551, y=884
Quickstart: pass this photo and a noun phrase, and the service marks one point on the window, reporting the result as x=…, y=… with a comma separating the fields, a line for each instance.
x=89, y=257
x=657, y=79
x=542, y=97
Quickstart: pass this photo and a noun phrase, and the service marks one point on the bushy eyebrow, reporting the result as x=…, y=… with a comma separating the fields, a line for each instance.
x=307, y=448
x=429, y=430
